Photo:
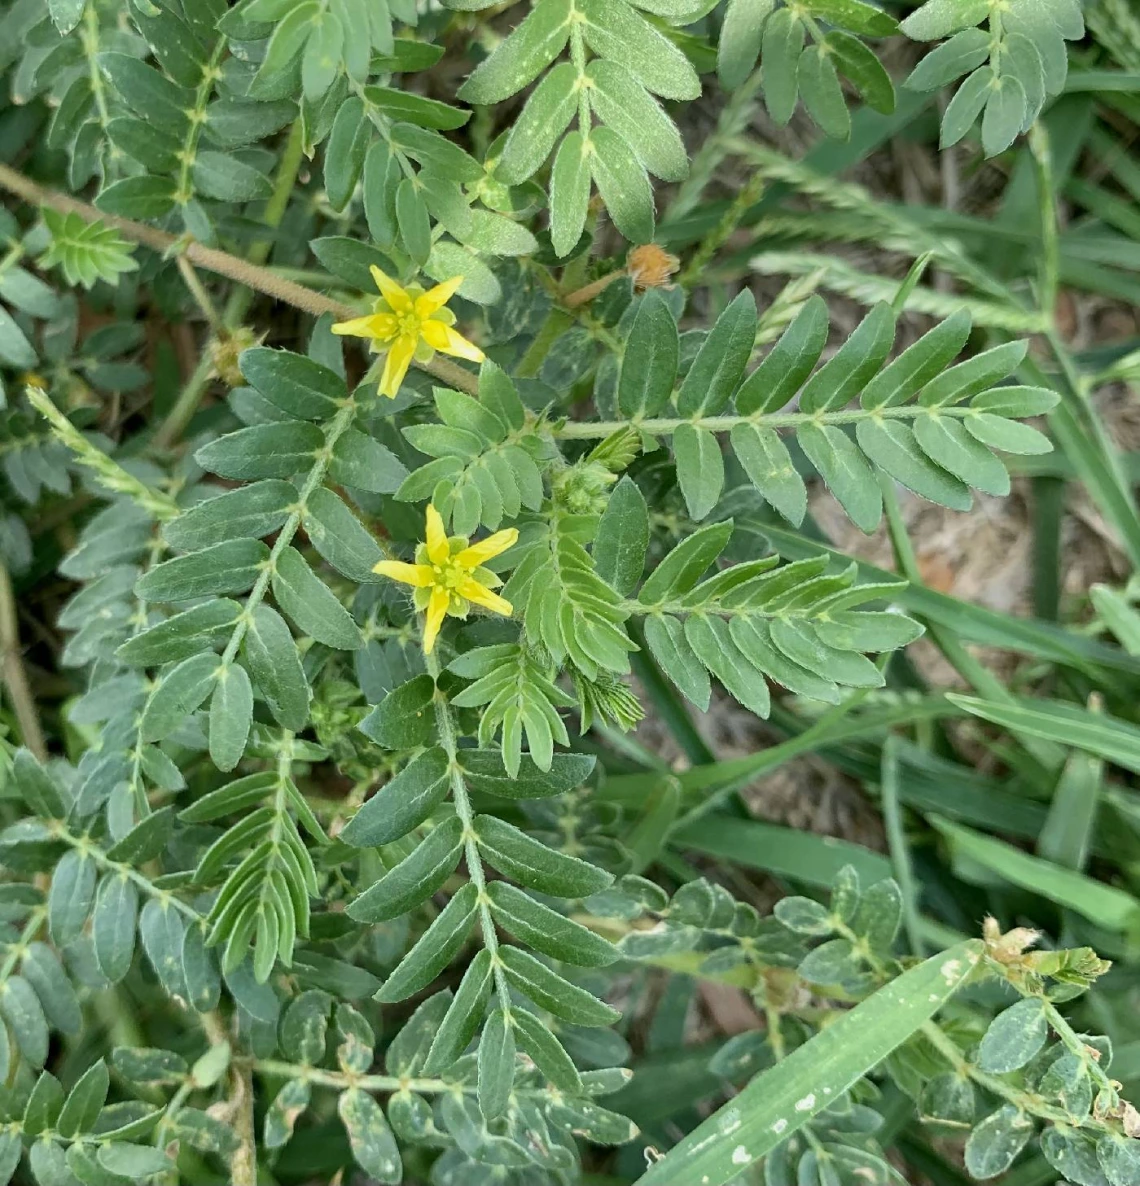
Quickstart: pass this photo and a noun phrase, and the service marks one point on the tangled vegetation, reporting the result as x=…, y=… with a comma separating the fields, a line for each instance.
x=400, y=478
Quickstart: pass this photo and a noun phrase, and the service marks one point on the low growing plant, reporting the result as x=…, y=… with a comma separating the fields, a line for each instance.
x=398, y=459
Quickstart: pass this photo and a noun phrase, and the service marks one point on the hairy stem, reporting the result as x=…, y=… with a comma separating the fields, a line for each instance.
x=252, y=275
x=15, y=674
x=240, y=298
x=342, y=1080
x=666, y=426
x=1024, y=1101
x=198, y=292
x=15, y=951
x=60, y=831
x=243, y=1164
x=89, y=39
x=337, y=427
x=581, y=296
x=748, y=196
x=466, y=814
x=109, y=473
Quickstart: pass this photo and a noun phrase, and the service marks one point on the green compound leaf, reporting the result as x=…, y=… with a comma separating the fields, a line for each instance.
x=740, y=37
x=249, y=512
x=569, y=192
x=436, y=948
x=532, y=46
x=271, y=655
x=545, y=930
x=720, y=362
x=230, y=567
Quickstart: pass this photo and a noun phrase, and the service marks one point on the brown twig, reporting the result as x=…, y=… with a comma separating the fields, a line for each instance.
x=587, y=293
x=243, y=1163
x=221, y=262
x=14, y=674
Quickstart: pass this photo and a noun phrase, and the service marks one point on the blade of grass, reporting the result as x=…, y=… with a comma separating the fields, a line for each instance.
x=1067, y=835
x=1105, y=905
x=1105, y=736
x=784, y=1098
x=785, y=852
x=1048, y=507
x=897, y=843
x=724, y=777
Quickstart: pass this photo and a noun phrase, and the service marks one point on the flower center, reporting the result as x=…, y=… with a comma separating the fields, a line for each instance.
x=449, y=574
x=408, y=323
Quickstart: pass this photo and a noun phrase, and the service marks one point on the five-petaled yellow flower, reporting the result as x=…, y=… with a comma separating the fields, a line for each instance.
x=448, y=575
x=409, y=323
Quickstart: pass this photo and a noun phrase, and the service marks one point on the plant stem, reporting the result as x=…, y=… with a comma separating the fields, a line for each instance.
x=748, y=196
x=1075, y=1045
x=15, y=951
x=553, y=324
x=240, y=298
x=188, y=400
x=108, y=472
x=665, y=426
x=337, y=427
x=581, y=296
x=243, y=1164
x=15, y=674
x=84, y=845
x=466, y=814
x=733, y=120
x=896, y=842
x=198, y=292
x=1042, y=154
x=252, y=275
x=1024, y=1101
x=89, y=39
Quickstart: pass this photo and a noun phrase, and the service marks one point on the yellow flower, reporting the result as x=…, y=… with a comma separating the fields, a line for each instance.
x=409, y=323
x=448, y=575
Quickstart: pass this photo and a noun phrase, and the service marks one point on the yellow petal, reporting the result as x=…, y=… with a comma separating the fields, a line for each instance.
x=397, y=298
x=478, y=595
x=435, y=298
x=437, y=608
x=485, y=549
x=418, y=575
x=400, y=355
x=375, y=325
x=442, y=337
x=435, y=538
